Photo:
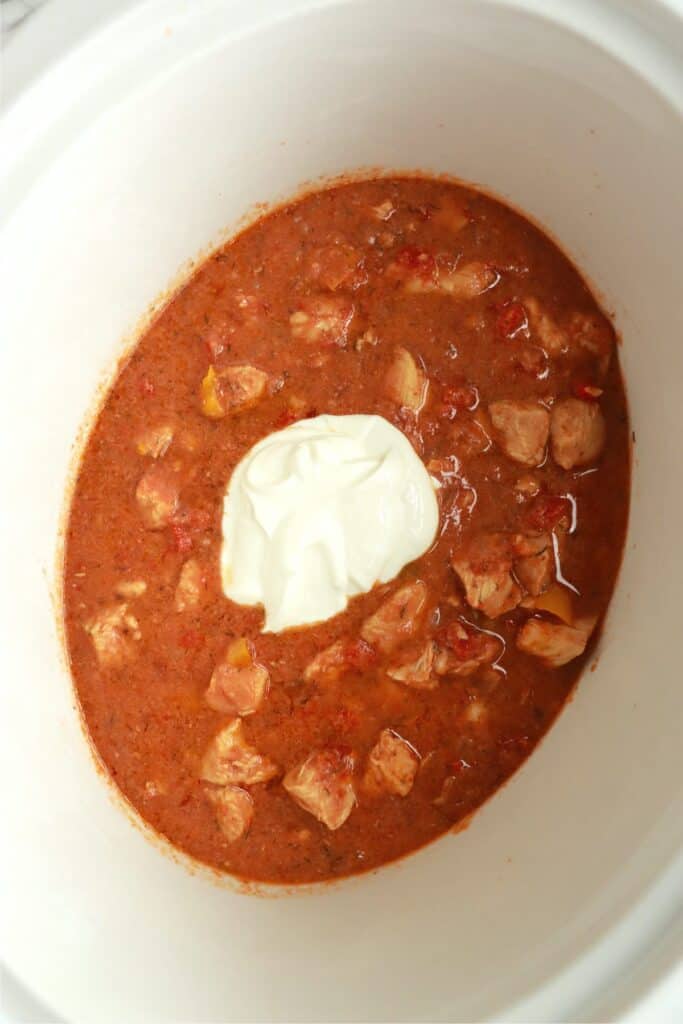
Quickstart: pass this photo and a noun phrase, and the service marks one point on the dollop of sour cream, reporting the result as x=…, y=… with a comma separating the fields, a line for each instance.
x=321, y=511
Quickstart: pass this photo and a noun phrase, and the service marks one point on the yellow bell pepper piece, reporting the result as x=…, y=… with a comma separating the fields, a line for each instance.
x=557, y=600
x=239, y=653
x=211, y=403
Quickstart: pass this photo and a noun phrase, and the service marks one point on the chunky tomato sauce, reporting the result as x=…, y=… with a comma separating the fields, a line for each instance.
x=333, y=748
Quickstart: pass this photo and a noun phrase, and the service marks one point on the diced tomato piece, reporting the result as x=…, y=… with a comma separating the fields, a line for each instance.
x=586, y=391
x=286, y=418
x=359, y=654
x=182, y=539
x=289, y=416
x=547, y=511
x=465, y=647
x=455, y=767
x=511, y=319
x=417, y=261
x=185, y=524
x=191, y=640
x=459, y=397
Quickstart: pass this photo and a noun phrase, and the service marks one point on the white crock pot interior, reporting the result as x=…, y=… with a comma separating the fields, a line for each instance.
x=129, y=157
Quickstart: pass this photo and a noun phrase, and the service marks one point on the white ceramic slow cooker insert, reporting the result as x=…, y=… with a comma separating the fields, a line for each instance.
x=154, y=132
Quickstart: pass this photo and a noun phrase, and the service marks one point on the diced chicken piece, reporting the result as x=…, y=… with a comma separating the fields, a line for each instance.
x=521, y=429
x=451, y=214
x=525, y=544
x=238, y=684
x=384, y=211
x=191, y=586
x=114, y=632
x=594, y=335
x=554, y=643
x=463, y=650
x=323, y=786
x=553, y=340
x=339, y=659
x=234, y=811
x=533, y=360
x=155, y=441
x=130, y=588
x=397, y=619
x=485, y=570
x=335, y=266
x=158, y=496
x=416, y=671
x=322, y=321
x=406, y=383
x=231, y=760
x=327, y=666
x=230, y=390
x=577, y=432
x=468, y=281
x=535, y=568
x=392, y=765
x=416, y=268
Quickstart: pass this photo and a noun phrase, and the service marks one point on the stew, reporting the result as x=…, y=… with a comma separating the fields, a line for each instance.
x=335, y=746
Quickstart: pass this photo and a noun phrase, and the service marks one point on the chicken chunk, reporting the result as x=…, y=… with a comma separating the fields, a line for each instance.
x=114, y=631
x=323, y=786
x=335, y=266
x=521, y=429
x=468, y=281
x=234, y=811
x=155, y=441
x=406, y=383
x=231, y=760
x=384, y=210
x=551, y=337
x=451, y=214
x=238, y=683
x=392, y=765
x=484, y=566
x=338, y=659
x=397, y=619
x=322, y=321
x=536, y=571
x=592, y=334
x=130, y=589
x=463, y=650
x=553, y=642
x=158, y=496
x=328, y=665
x=231, y=390
x=577, y=432
x=191, y=586
x=416, y=671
